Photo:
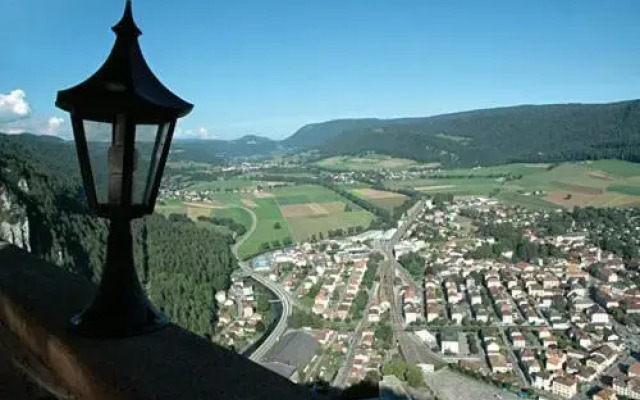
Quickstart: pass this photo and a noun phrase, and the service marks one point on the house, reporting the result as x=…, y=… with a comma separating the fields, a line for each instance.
x=247, y=311
x=475, y=298
x=542, y=380
x=634, y=370
x=606, y=352
x=565, y=386
x=573, y=366
x=549, y=341
x=532, y=366
x=599, y=316
x=507, y=317
x=450, y=342
x=577, y=353
x=544, y=333
x=482, y=315
x=432, y=313
x=555, y=363
x=221, y=296
x=605, y=394
x=411, y=313
x=499, y=363
x=629, y=387
x=597, y=362
x=457, y=315
x=587, y=374
x=527, y=355
x=518, y=340
x=493, y=348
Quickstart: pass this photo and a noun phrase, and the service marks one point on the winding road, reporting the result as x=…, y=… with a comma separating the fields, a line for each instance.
x=277, y=290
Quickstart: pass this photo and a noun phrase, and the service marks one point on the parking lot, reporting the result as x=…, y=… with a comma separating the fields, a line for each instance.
x=450, y=385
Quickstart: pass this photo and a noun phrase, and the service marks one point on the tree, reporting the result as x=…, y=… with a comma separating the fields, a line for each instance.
x=373, y=376
x=384, y=334
x=414, y=376
x=277, y=226
x=395, y=367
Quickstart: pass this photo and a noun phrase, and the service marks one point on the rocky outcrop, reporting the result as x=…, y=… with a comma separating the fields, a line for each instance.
x=14, y=224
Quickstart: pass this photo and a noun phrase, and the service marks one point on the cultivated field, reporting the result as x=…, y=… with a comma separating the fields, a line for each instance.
x=289, y=212
x=381, y=198
x=313, y=210
x=366, y=163
x=605, y=183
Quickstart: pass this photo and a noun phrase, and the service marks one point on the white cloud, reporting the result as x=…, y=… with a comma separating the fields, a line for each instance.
x=54, y=124
x=37, y=125
x=14, y=106
x=200, y=133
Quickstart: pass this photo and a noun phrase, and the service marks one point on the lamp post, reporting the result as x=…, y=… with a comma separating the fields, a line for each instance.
x=123, y=120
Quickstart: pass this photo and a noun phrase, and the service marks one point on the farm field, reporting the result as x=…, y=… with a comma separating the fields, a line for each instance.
x=602, y=183
x=384, y=199
x=271, y=226
x=457, y=186
x=293, y=213
x=221, y=185
x=367, y=163
x=313, y=210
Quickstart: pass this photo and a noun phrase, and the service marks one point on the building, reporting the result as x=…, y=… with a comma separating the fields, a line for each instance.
x=605, y=394
x=499, y=363
x=634, y=370
x=629, y=387
x=542, y=380
x=565, y=386
x=450, y=342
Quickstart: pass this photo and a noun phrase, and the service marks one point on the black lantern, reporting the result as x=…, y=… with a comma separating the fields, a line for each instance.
x=123, y=120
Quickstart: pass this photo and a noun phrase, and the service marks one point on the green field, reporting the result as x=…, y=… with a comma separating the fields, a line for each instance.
x=600, y=183
x=303, y=194
x=387, y=200
x=305, y=227
x=458, y=186
x=222, y=185
x=300, y=211
x=366, y=163
x=268, y=214
x=238, y=214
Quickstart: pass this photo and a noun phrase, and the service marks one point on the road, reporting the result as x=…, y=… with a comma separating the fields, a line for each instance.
x=411, y=346
x=341, y=377
x=277, y=290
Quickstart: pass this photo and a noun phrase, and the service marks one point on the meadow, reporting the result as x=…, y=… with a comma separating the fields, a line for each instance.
x=295, y=213
x=602, y=183
x=365, y=163
x=380, y=198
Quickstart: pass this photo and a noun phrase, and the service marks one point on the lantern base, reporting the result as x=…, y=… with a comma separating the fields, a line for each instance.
x=114, y=326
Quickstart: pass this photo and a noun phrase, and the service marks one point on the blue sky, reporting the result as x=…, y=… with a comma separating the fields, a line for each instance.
x=269, y=67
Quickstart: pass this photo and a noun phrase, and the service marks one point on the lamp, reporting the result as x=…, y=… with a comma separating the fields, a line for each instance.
x=123, y=120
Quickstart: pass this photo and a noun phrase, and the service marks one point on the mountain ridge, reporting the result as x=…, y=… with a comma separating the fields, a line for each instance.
x=525, y=132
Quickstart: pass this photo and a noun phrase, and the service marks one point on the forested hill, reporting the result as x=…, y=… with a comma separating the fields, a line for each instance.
x=182, y=264
x=523, y=133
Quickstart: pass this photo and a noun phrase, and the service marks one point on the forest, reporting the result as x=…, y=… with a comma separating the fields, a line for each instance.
x=181, y=264
x=544, y=133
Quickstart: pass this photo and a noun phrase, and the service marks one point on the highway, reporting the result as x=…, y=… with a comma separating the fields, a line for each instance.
x=277, y=290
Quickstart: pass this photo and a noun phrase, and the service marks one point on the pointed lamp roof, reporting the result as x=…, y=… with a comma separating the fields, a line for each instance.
x=124, y=84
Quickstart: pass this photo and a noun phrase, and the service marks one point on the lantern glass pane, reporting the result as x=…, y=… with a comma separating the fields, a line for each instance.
x=99, y=136
x=150, y=141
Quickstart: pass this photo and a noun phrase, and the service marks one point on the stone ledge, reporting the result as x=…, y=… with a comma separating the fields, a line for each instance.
x=38, y=298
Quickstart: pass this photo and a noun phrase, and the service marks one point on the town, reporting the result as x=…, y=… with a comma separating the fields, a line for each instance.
x=479, y=288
